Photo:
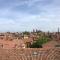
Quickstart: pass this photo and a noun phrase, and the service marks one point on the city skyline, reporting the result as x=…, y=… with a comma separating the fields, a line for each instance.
x=26, y=15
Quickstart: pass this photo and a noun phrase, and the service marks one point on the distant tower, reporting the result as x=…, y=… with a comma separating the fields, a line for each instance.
x=36, y=30
x=48, y=32
x=33, y=31
x=58, y=30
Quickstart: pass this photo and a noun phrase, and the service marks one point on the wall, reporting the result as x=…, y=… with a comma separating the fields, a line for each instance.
x=30, y=54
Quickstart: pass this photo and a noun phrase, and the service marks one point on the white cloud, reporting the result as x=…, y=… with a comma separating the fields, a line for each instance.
x=17, y=20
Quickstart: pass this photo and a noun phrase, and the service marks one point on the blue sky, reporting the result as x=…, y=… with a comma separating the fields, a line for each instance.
x=21, y=15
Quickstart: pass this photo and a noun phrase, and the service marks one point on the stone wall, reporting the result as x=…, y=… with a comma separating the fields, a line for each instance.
x=30, y=54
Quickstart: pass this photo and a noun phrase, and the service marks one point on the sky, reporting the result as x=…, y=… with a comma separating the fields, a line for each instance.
x=26, y=15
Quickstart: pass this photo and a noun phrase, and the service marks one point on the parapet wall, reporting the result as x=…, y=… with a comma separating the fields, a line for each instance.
x=30, y=54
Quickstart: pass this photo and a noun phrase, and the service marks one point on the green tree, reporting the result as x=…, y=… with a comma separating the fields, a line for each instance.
x=26, y=33
x=39, y=42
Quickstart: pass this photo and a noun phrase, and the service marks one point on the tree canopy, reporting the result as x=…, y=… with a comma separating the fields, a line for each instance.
x=39, y=42
x=26, y=33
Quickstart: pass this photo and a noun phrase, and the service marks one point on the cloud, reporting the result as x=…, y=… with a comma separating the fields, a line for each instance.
x=20, y=15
